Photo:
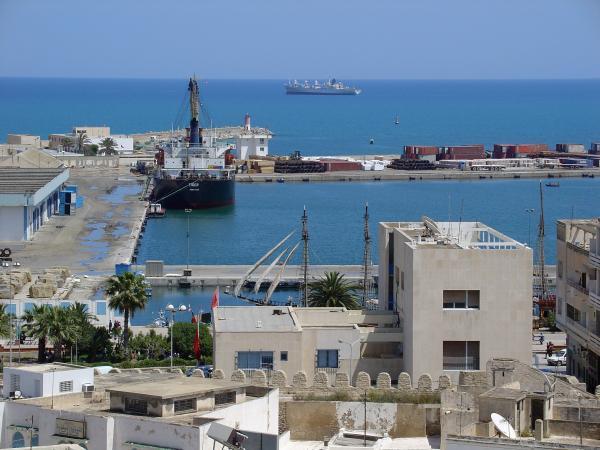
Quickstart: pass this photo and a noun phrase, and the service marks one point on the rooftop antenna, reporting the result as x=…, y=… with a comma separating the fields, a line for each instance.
x=305, y=257
x=366, y=257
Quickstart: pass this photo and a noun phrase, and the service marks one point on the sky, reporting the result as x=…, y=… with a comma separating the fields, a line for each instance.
x=284, y=39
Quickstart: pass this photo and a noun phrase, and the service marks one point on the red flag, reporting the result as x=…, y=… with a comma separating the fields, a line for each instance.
x=196, y=338
x=215, y=299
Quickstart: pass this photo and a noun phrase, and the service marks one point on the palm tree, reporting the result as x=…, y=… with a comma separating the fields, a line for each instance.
x=37, y=326
x=108, y=146
x=82, y=142
x=62, y=329
x=333, y=291
x=127, y=294
x=81, y=318
x=5, y=325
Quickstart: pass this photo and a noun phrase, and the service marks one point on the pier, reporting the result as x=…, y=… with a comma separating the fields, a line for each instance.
x=229, y=275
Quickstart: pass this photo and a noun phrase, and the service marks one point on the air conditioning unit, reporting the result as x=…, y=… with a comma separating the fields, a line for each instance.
x=87, y=387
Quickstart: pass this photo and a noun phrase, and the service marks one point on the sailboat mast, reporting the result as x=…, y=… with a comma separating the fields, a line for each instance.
x=366, y=258
x=541, y=233
x=305, y=257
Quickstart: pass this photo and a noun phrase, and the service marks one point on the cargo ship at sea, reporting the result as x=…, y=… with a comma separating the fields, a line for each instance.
x=330, y=87
x=193, y=173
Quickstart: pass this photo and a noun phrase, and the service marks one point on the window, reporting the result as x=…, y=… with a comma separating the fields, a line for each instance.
x=402, y=280
x=559, y=306
x=224, y=398
x=461, y=299
x=573, y=313
x=35, y=440
x=136, y=406
x=184, y=405
x=327, y=359
x=18, y=440
x=255, y=360
x=461, y=355
x=283, y=356
x=65, y=386
x=101, y=308
x=15, y=382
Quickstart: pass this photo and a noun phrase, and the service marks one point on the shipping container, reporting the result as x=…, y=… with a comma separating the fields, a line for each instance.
x=340, y=165
x=415, y=151
x=570, y=148
x=70, y=188
x=595, y=148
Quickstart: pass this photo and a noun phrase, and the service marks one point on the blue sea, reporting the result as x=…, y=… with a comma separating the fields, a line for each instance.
x=430, y=112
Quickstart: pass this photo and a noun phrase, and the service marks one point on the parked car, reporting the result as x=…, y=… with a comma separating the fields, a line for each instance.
x=558, y=359
x=207, y=369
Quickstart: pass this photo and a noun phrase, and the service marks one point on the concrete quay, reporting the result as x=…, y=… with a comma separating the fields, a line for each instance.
x=416, y=175
x=229, y=275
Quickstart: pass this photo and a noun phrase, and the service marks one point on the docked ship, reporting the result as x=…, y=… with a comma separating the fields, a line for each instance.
x=330, y=87
x=193, y=173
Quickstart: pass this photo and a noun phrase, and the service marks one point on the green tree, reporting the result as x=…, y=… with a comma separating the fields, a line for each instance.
x=150, y=346
x=127, y=294
x=97, y=344
x=81, y=321
x=183, y=340
x=5, y=322
x=37, y=326
x=67, y=144
x=333, y=291
x=62, y=330
x=90, y=150
x=108, y=146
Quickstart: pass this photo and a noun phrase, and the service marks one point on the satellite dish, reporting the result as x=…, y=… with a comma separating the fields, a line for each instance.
x=504, y=426
x=18, y=394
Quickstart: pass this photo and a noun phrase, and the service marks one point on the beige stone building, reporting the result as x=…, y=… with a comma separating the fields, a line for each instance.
x=462, y=292
x=306, y=339
x=578, y=296
x=23, y=140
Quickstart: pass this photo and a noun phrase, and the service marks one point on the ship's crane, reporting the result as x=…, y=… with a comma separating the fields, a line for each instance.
x=195, y=136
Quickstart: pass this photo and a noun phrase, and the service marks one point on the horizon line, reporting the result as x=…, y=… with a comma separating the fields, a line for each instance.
x=29, y=77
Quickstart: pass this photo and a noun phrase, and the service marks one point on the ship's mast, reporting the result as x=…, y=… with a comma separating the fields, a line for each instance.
x=541, y=234
x=305, y=257
x=366, y=258
x=195, y=133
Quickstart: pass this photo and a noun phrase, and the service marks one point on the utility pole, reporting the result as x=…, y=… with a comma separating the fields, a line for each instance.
x=366, y=258
x=305, y=257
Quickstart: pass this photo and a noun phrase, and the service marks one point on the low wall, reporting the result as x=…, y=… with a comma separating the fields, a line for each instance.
x=89, y=161
x=588, y=430
x=571, y=413
x=315, y=420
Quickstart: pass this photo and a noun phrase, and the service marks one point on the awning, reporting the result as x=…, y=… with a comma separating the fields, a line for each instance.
x=23, y=428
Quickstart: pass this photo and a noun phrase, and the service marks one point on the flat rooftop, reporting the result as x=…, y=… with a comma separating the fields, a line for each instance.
x=26, y=181
x=453, y=235
x=175, y=387
x=45, y=368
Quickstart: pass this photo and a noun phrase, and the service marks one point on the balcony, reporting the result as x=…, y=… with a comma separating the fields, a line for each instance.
x=577, y=285
x=595, y=299
x=594, y=254
x=579, y=247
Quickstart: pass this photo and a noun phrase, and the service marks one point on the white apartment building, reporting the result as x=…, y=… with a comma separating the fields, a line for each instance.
x=578, y=296
x=462, y=291
x=306, y=340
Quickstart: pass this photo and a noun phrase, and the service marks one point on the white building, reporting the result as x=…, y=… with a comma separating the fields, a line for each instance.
x=28, y=198
x=45, y=380
x=310, y=340
x=148, y=411
x=578, y=296
x=462, y=292
x=252, y=141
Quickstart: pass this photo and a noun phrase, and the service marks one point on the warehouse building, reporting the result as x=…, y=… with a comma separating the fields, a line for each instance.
x=28, y=198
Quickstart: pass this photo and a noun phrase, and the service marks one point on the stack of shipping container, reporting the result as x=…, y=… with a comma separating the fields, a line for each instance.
x=476, y=151
x=502, y=151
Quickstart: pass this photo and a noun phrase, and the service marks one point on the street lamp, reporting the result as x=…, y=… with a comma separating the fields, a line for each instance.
x=351, y=345
x=187, y=213
x=173, y=310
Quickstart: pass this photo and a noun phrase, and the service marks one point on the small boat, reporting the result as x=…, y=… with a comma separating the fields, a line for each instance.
x=280, y=180
x=371, y=141
x=184, y=282
x=155, y=210
x=397, y=121
x=553, y=184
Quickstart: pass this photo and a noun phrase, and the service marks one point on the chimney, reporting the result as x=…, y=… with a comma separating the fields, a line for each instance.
x=247, y=122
